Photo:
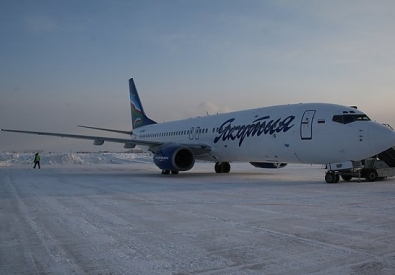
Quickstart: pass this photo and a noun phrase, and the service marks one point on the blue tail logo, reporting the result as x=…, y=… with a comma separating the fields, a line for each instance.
x=138, y=115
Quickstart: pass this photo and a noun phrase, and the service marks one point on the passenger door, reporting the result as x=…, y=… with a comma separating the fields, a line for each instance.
x=306, y=125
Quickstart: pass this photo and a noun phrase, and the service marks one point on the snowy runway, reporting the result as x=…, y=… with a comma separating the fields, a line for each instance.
x=129, y=219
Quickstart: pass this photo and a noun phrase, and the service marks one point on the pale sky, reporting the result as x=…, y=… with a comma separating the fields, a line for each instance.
x=67, y=63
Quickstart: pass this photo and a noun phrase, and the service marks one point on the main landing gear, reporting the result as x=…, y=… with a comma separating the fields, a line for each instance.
x=167, y=172
x=222, y=167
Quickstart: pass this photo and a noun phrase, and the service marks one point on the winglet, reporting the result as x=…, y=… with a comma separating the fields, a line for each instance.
x=139, y=117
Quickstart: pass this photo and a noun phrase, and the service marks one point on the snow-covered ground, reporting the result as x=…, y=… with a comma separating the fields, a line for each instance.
x=12, y=159
x=116, y=214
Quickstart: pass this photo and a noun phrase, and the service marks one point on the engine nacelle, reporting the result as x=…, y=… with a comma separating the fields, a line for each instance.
x=269, y=165
x=174, y=157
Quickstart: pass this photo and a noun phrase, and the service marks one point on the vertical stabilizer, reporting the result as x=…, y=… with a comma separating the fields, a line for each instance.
x=138, y=115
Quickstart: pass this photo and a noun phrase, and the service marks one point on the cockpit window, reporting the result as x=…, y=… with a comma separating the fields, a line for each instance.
x=345, y=119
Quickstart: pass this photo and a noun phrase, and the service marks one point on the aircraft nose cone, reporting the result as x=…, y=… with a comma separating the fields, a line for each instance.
x=381, y=138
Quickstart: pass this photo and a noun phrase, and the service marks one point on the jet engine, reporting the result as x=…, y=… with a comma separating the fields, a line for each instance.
x=174, y=157
x=269, y=165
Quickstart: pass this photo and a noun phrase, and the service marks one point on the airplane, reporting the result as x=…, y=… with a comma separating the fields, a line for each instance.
x=267, y=137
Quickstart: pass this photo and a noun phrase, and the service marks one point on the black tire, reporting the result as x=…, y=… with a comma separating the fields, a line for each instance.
x=225, y=167
x=330, y=177
x=217, y=167
x=165, y=172
x=346, y=178
x=371, y=175
x=222, y=167
x=175, y=172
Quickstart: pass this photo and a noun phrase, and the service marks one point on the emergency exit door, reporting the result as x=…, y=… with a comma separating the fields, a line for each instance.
x=306, y=125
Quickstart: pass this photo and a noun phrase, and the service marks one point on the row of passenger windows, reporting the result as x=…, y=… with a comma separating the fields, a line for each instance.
x=180, y=133
x=345, y=119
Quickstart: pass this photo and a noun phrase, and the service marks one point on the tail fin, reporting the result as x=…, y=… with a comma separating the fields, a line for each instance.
x=138, y=115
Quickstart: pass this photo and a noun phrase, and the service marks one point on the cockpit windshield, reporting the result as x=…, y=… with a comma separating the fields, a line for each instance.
x=349, y=118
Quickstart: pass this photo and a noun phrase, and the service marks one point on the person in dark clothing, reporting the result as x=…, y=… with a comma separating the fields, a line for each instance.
x=36, y=161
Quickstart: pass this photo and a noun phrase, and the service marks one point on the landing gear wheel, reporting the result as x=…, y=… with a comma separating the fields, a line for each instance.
x=165, y=172
x=222, y=167
x=175, y=172
x=225, y=167
x=371, y=175
x=217, y=168
x=332, y=177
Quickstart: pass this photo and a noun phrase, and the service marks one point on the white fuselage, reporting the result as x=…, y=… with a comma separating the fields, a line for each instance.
x=296, y=133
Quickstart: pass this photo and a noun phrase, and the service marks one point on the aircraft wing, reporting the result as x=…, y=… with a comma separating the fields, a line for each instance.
x=128, y=143
x=97, y=139
x=197, y=149
x=106, y=129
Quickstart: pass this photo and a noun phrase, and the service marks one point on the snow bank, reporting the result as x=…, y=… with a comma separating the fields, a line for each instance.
x=11, y=159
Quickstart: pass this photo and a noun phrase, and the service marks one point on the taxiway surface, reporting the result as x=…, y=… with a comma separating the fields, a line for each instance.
x=132, y=220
